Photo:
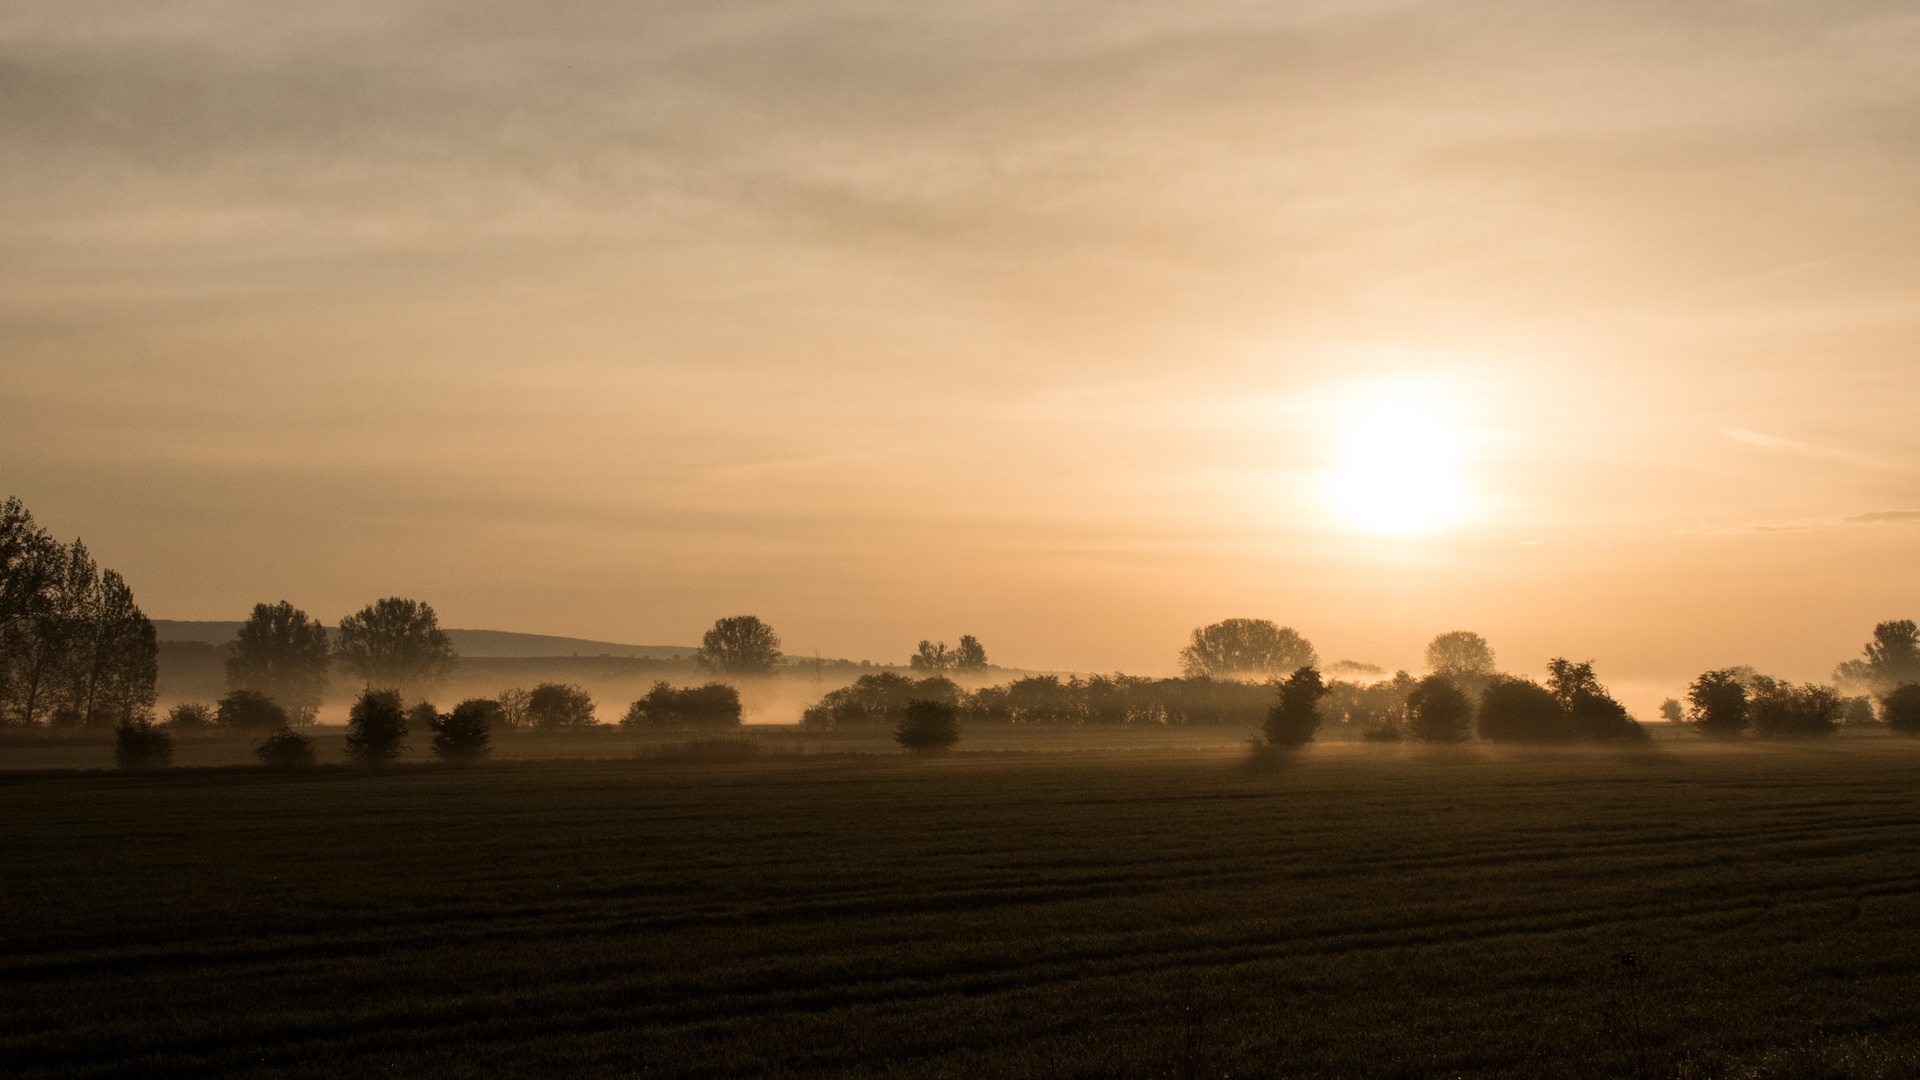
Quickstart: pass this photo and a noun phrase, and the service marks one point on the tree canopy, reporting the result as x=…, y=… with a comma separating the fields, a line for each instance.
x=283, y=654
x=1460, y=652
x=1241, y=648
x=395, y=642
x=739, y=645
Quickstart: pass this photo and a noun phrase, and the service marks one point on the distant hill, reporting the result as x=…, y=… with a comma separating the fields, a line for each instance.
x=474, y=643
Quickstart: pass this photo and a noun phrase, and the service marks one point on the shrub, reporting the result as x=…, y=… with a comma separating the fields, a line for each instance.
x=1384, y=731
x=465, y=733
x=1295, y=713
x=928, y=726
x=249, y=710
x=1900, y=708
x=189, y=716
x=1439, y=712
x=285, y=749
x=376, y=728
x=1591, y=712
x=1781, y=710
x=1717, y=703
x=140, y=743
x=877, y=699
x=714, y=704
x=1521, y=710
x=552, y=706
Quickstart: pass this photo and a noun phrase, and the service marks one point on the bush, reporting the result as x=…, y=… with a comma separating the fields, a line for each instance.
x=465, y=734
x=1900, y=708
x=248, y=710
x=376, y=728
x=285, y=749
x=1439, y=712
x=1521, y=710
x=1717, y=703
x=928, y=726
x=714, y=704
x=1295, y=713
x=1781, y=710
x=142, y=744
x=1384, y=731
x=877, y=699
x=188, y=717
x=1591, y=712
x=552, y=706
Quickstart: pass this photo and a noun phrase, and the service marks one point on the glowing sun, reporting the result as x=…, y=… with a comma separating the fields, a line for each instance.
x=1397, y=462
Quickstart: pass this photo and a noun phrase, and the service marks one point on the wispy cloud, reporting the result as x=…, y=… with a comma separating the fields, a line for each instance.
x=1809, y=450
x=1871, y=517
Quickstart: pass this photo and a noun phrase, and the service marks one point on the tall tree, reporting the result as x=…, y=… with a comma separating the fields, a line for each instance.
x=1717, y=703
x=121, y=664
x=969, y=655
x=1294, y=715
x=1239, y=648
x=739, y=645
x=395, y=643
x=932, y=657
x=1438, y=712
x=1460, y=652
x=281, y=653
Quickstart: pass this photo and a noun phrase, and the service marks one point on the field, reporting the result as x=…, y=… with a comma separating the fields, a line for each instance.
x=1358, y=911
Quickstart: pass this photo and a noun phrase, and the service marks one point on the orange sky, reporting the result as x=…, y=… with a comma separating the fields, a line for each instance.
x=1589, y=326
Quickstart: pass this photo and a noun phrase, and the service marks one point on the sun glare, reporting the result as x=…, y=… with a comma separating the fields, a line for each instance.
x=1397, y=466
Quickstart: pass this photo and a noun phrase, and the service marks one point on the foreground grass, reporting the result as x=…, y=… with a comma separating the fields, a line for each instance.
x=1353, y=913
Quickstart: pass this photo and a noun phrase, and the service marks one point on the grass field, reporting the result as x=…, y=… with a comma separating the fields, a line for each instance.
x=1357, y=912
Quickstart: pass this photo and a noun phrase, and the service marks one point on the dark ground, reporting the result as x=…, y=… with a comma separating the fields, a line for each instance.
x=1360, y=912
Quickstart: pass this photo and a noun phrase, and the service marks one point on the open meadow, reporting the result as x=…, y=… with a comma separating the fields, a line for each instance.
x=1678, y=910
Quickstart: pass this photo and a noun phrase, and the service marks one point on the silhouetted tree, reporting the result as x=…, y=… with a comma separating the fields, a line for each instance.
x=1295, y=713
x=969, y=655
x=1521, y=710
x=422, y=716
x=376, y=728
x=553, y=706
x=513, y=707
x=283, y=654
x=1717, y=703
x=395, y=642
x=1670, y=711
x=1781, y=710
x=1891, y=659
x=1900, y=709
x=188, y=717
x=1361, y=707
x=286, y=750
x=715, y=704
x=1463, y=657
x=1438, y=711
x=876, y=699
x=931, y=657
x=245, y=710
x=140, y=743
x=1242, y=647
x=739, y=645
x=1592, y=713
x=927, y=726
x=465, y=734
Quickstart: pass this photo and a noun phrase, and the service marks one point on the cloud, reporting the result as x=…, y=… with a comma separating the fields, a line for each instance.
x=1871, y=517
x=1808, y=450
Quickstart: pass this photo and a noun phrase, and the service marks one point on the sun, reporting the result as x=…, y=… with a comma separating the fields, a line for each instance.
x=1397, y=462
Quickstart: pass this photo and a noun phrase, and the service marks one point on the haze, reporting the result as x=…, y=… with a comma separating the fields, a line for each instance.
x=1587, y=326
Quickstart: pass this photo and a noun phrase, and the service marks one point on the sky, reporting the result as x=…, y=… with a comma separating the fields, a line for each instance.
x=1592, y=326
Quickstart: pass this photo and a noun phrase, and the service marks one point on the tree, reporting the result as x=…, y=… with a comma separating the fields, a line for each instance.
x=1717, y=703
x=1670, y=711
x=513, y=707
x=396, y=642
x=1900, y=709
x=1438, y=711
x=713, y=704
x=1460, y=653
x=876, y=699
x=969, y=655
x=931, y=657
x=283, y=654
x=1781, y=710
x=464, y=734
x=740, y=645
x=246, y=710
x=376, y=728
x=286, y=750
x=1521, y=710
x=188, y=717
x=32, y=564
x=1592, y=713
x=1295, y=713
x=553, y=706
x=1891, y=659
x=1239, y=648
x=928, y=726
x=139, y=743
